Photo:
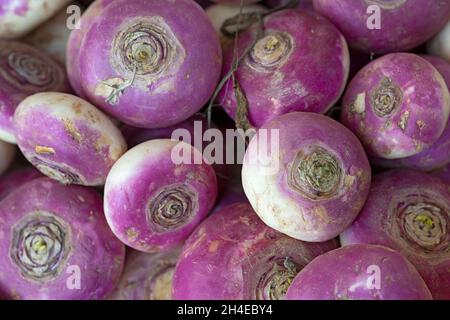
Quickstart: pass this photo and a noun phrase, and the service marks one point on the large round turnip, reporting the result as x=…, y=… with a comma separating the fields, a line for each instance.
x=306, y=175
x=409, y=211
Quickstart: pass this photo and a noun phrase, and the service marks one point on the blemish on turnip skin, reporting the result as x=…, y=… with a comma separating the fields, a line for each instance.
x=44, y=150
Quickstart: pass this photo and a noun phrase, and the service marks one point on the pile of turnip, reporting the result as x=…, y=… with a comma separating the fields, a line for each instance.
x=225, y=150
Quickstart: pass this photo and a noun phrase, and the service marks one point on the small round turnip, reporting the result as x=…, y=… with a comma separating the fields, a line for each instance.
x=24, y=70
x=359, y=272
x=311, y=181
x=146, y=66
x=147, y=276
x=440, y=44
x=382, y=26
x=300, y=64
x=18, y=17
x=232, y=255
x=67, y=138
x=7, y=153
x=409, y=211
x=56, y=244
x=435, y=156
x=154, y=201
x=398, y=105
x=15, y=179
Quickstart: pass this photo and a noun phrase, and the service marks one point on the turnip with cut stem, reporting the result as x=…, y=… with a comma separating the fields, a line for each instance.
x=56, y=244
x=299, y=62
x=153, y=201
x=67, y=138
x=306, y=175
x=132, y=63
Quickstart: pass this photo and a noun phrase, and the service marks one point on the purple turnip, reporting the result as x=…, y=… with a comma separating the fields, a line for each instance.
x=381, y=26
x=7, y=153
x=15, y=179
x=18, y=17
x=409, y=211
x=232, y=255
x=67, y=138
x=301, y=63
x=438, y=154
x=152, y=200
x=359, y=272
x=147, y=276
x=398, y=105
x=440, y=44
x=56, y=244
x=312, y=180
x=24, y=70
x=136, y=55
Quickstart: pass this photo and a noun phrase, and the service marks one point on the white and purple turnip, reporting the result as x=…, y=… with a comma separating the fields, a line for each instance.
x=311, y=180
x=136, y=55
x=67, y=138
x=56, y=244
x=153, y=203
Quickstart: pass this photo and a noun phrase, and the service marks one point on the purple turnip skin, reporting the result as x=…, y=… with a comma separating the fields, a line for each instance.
x=301, y=64
x=18, y=17
x=151, y=202
x=147, y=276
x=440, y=44
x=75, y=41
x=7, y=154
x=232, y=255
x=146, y=52
x=67, y=138
x=15, y=179
x=315, y=184
x=48, y=230
x=435, y=156
x=346, y=274
x=398, y=105
x=404, y=24
x=443, y=173
x=24, y=70
x=408, y=211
